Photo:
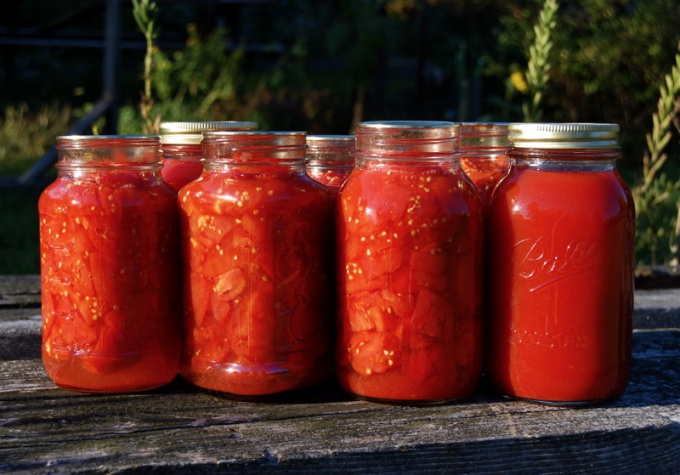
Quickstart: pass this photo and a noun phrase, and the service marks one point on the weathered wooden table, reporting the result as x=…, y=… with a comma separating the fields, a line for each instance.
x=44, y=429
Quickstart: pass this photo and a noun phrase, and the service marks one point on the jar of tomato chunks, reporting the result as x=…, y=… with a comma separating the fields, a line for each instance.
x=561, y=245
x=109, y=234
x=182, y=152
x=258, y=280
x=330, y=160
x=483, y=155
x=409, y=231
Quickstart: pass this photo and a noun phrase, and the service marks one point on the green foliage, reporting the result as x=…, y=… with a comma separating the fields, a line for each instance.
x=656, y=221
x=538, y=67
x=196, y=83
x=25, y=136
x=145, y=13
x=200, y=75
x=657, y=200
x=607, y=60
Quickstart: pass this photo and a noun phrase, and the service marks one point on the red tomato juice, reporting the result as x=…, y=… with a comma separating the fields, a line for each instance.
x=560, y=272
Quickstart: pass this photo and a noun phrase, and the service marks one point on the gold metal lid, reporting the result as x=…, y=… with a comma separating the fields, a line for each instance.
x=563, y=135
x=191, y=133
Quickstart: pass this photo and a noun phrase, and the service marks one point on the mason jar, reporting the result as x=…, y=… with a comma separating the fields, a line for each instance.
x=483, y=155
x=256, y=232
x=181, y=147
x=330, y=159
x=409, y=267
x=560, y=242
x=110, y=280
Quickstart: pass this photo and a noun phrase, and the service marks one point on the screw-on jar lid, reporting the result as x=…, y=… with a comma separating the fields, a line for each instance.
x=563, y=135
x=191, y=133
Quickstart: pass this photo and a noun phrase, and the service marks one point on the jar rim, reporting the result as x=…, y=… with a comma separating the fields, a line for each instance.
x=74, y=142
x=346, y=141
x=269, y=137
x=407, y=125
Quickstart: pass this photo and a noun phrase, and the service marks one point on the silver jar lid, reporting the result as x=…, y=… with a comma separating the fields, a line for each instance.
x=563, y=135
x=191, y=133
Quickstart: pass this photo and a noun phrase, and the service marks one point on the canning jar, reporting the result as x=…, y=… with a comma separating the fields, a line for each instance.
x=182, y=152
x=109, y=237
x=409, y=231
x=483, y=155
x=256, y=235
x=330, y=159
x=560, y=245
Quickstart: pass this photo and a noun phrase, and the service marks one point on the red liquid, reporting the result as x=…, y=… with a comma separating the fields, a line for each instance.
x=257, y=281
x=560, y=274
x=109, y=242
x=409, y=275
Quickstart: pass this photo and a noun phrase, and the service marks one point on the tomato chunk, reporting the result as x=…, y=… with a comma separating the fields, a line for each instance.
x=409, y=273
x=257, y=280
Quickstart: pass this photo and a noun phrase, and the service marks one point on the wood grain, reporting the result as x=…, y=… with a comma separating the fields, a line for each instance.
x=180, y=429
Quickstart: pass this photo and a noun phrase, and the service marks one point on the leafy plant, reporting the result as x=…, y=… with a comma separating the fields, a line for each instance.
x=145, y=13
x=538, y=67
x=26, y=135
x=657, y=199
x=201, y=75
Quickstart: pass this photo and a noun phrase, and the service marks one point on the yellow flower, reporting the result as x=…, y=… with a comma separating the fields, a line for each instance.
x=517, y=80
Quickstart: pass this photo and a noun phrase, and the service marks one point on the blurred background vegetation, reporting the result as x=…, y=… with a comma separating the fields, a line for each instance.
x=321, y=66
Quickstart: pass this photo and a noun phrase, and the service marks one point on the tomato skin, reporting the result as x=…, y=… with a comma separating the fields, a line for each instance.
x=178, y=172
x=110, y=280
x=258, y=280
x=409, y=283
x=561, y=288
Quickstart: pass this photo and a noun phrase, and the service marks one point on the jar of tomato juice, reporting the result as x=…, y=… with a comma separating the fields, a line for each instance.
x=560, y=245
x=409, y=268
x=330, y=159
x=109, y=237
x=483, y=155
x=258, y=280
x=182, y=152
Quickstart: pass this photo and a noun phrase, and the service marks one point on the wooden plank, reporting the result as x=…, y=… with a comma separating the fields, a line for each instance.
x=181, y=428
x=19, y=291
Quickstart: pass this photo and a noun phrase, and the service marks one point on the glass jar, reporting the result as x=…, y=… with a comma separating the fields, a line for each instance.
x=258, y=280
x=483, y=155
x=109, y=234
x=409, y=230
x=182, y=152
x=330, y=160
x=560, y=242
